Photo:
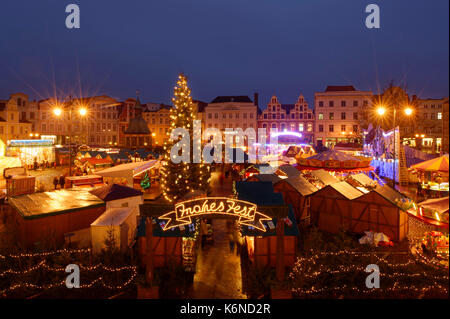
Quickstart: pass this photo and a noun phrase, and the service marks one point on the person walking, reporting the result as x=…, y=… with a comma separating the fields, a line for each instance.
x=55, y=182
x=62, y=181
x=231, y=242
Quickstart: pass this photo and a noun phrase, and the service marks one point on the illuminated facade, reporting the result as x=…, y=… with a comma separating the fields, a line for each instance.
x=296, y=118
x=12, y=126
x=338, y=113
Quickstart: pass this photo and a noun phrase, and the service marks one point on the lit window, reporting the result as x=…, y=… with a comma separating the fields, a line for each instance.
x=439, y=116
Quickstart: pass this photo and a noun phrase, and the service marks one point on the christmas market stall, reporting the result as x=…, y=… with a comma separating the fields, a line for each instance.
x=130, y=173
x=49, y=216
x=273, y=178
x=278, y=241
x=380, y=208
x=177, y=245
x=296, y=191
x=331, y=207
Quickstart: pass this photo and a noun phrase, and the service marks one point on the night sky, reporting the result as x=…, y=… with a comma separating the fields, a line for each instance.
x=226, y=47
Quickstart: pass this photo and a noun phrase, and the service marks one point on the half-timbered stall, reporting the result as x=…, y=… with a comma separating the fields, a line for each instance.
x=381, y=208
x=278, y=240
x=296, y=192
x=331, y=207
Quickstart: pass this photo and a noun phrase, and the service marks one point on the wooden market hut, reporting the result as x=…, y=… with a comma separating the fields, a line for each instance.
x=381, y=208
x=273, y=178
x=263, y=247
x=288, y=171
x=331, y=207
x=296, y=192
x=53, y=215
x=167, y=245
x=324, y=177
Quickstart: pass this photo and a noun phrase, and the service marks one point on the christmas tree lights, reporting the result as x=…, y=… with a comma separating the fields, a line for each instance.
x=178, y=179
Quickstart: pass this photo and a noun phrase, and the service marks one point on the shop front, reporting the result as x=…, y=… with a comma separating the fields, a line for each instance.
x=31, y=151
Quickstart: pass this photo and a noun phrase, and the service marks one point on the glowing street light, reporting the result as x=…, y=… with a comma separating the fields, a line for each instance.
x=83, y=111
x=408, y=111
x=57, y=111
x=381, y=110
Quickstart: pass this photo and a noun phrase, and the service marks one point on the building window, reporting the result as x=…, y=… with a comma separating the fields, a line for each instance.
x=320, y=116
x=320, y=103
x=343, y=116
x=365, y=103
x=210, y=115
x=331, y=103
x=320, y=128
x=342, y=103
x=300, y=127
x=355, y=116
x=439, y=116
x=251, y=115
x=355, y=103
x=331, y=116
x=425, y=115
x=355, y=128
x=301, y=116
x=310, y=127
x=216, y=115
x=244, y=116
x=331, y=128
x=343, y=128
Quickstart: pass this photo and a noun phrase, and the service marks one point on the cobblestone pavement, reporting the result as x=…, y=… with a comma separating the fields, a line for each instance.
x=218, y=270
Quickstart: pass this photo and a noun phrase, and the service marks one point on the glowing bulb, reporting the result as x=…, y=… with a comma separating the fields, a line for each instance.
x=408, y=111
x=57, y=111
x=381, y=110
x=82, y=111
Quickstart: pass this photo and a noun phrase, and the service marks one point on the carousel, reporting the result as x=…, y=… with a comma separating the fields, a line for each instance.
x=433, y=176
x=338, y=163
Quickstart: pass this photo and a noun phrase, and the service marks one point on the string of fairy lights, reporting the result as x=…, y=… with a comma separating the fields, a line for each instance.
x=435, y=282
x=101, y=280
x=182, y=178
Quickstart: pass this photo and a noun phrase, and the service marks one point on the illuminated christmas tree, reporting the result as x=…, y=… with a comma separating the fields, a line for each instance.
x=178, y=179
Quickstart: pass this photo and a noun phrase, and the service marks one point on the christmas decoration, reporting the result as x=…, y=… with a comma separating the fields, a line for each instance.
x=145, y=183
x=178, y=179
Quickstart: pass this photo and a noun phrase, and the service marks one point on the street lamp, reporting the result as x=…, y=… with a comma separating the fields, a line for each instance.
x=381, y=110
x=58, y=112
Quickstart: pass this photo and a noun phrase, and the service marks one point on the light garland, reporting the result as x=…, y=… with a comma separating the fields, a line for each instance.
x=435, y=281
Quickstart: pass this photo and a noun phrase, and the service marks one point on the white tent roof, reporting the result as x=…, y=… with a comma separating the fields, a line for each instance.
x=113, y=217
x=128, y=170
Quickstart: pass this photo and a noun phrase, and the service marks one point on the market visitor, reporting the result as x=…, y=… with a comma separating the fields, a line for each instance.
x=55, y=182
x=231, y=241
x=62, y=181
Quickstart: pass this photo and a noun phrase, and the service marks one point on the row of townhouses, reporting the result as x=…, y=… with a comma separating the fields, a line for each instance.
x=339, y=115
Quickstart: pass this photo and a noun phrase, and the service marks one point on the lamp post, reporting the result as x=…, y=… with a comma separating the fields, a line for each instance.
x=58, y=112
x=381, y=110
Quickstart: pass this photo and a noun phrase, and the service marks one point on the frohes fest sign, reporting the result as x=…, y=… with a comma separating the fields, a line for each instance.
x=246, y=212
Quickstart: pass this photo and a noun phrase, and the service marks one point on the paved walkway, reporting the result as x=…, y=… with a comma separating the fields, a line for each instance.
x=218, y=271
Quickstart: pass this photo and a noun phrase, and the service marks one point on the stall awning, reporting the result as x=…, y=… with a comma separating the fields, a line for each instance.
x=128, y=170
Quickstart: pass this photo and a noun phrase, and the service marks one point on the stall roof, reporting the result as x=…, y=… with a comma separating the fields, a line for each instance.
x=113, y=217
x=273, y=178
x=324, y=176
x=347, y=190
x=115, y=191
x=128, y=170
x=39, y=205
x=437, y=204
x=260, y=193
x=289, y=170
x=301, y=185
x=387, y=192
